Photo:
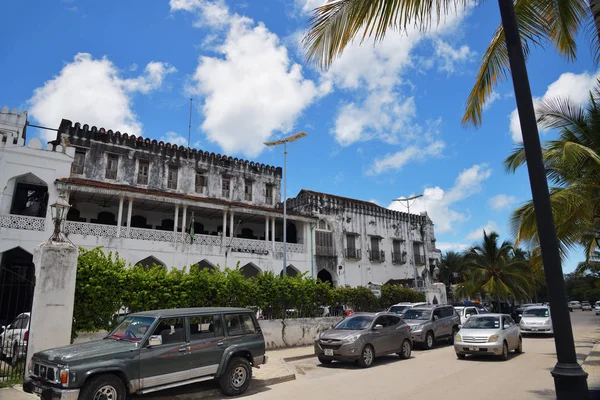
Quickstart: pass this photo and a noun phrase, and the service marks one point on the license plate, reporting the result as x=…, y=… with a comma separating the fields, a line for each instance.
x=473, y=348
x=37, y=390
x=534, y=329
x=328, y=352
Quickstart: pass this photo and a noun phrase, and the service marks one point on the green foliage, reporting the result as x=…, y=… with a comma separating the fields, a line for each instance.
x=104, y=286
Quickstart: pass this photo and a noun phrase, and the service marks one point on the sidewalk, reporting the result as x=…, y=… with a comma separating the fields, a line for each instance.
x=591, y=365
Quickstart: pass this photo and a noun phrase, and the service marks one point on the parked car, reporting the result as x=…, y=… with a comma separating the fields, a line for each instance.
x=151, y=351
x=575, y=305
x=431, y=323
x=363, y=336
x=536, y=320
x=465, y=312
x=491, y=334
x=597, y=308
x=400, y=308
x=518, y=313
x=13, y=339
x=586, y=306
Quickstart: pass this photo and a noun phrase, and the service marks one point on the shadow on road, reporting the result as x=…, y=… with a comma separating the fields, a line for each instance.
x=491, y=358
x=379, y=362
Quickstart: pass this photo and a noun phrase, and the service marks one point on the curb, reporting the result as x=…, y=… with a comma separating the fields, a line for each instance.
x=591, y=365
x=296, y=358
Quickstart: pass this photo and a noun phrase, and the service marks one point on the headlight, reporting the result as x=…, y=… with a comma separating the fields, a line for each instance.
x=64, y=376
x=30, y=368
x=417, y=328
x=317, y=337
x=457, y=338
x=352, y=339
x=547, y=322
x=493, y=338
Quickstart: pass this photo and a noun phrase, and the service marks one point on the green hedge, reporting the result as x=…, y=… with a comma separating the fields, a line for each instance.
x=105, y=284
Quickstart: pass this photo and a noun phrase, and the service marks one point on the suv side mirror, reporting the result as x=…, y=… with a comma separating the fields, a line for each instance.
x=467, y=315
x=435, y=317
x=155, y=340
x=378, y=327
x=506, y=326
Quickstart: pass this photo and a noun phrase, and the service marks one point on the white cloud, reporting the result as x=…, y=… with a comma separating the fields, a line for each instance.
x=575, y=87
x=502, y=201
x=449, y=57
x=174, y=138
x=491, y=100
x=253, y=90
x=449, y=246
x=307, y=6
x=477, y=234
x=399, y=159
x=439, y=204
x=92, y=91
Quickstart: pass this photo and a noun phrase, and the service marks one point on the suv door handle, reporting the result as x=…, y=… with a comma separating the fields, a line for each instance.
x=181, y=350
x=220, y=344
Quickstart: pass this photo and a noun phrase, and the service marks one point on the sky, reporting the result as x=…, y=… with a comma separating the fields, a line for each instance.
x=384, y=122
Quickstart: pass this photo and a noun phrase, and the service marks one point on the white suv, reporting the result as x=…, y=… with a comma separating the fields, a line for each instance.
x=597, y=307
x=13, y=340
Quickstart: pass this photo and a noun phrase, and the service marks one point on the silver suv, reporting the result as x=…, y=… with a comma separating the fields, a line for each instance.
x=432, y=323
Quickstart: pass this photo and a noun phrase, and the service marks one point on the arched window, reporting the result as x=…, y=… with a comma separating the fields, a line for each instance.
x=250, y=270
x=150, y=262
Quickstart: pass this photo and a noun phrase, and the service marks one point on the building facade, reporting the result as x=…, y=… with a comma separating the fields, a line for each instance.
x=157, y=203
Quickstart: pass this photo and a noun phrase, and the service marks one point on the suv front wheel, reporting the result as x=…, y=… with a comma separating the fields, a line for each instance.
x=236, y=378
x=103, y=387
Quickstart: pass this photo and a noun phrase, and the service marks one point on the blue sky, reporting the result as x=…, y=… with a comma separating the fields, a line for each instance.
x=383, y=122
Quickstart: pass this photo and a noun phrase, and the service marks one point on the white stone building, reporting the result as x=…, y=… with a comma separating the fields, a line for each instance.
x=140, y=198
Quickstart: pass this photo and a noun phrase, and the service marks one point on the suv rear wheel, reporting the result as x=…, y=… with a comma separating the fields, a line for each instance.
x=236, y=378
x=104, y=387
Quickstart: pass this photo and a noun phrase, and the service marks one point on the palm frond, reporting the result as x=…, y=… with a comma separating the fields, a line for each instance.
x=560, y=112
x=337, y=23
x=566, y=18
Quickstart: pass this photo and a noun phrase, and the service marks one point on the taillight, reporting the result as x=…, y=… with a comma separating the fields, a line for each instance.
x=26, y=336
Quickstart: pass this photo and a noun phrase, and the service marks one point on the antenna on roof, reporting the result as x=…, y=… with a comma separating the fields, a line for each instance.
x=190, y=126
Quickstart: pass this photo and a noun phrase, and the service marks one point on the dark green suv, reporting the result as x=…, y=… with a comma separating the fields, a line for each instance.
x=152, y=351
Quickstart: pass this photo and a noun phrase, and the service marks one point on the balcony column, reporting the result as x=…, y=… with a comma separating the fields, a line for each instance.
x=175, y=221
x=120, y=216
x=267, y=231
x=273, y=233
x=183, y=224
x=231, y=225
x=129, y=212
x=224, y=232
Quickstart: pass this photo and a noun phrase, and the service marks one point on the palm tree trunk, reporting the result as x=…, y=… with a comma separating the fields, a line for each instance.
x=595, y=7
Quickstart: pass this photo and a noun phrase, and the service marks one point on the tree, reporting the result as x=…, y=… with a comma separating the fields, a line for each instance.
x=540, y=22
x=451, y=268
x=495, y=271
x=573, y=168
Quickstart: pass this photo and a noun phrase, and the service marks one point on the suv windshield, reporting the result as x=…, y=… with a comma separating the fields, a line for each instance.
x=536, y=312
x=358, y=322
x=398, y=309
x=482, y=323
x=132, y=328
x=415, y=313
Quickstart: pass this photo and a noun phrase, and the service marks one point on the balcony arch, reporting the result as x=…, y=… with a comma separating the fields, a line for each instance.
x=204, y=264
x=291, y=271
x=250, y=270
x=150, y=262
x=25, y=194
x=325, y=276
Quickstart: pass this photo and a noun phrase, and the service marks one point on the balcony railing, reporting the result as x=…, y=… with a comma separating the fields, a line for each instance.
x=325, y=251
x=377, y=255
x=353, y=253
x=419, y=259
x=398, y=258
x=110, y=231
x=23, y=222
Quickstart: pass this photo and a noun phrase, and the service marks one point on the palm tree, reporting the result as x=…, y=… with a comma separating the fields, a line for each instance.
x=451, y=268
x=540, y=22
x=495, y=271
x=592, y=265
x=572, y=164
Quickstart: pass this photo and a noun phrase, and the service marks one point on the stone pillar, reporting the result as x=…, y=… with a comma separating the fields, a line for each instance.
x=273, y=233
x=129, y=211
x=120, y=217
x=53, y=296
x=267, y=231
x=183, y=224
x=231, y=225
x=175, y=222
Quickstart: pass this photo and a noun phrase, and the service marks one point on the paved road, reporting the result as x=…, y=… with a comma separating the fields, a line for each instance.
x=438, y=374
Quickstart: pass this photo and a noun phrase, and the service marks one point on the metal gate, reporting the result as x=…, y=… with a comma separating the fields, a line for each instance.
x=17, y=281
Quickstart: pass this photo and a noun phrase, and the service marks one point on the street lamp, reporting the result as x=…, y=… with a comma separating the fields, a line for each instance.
x=408, y=200
x=59, y=209
x=284, y=142
x=570, y=380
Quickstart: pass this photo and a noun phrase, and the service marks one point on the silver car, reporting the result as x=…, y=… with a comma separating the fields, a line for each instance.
x=488, y=334
x=429, y=324
x=363, y=336
x=536, y=320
